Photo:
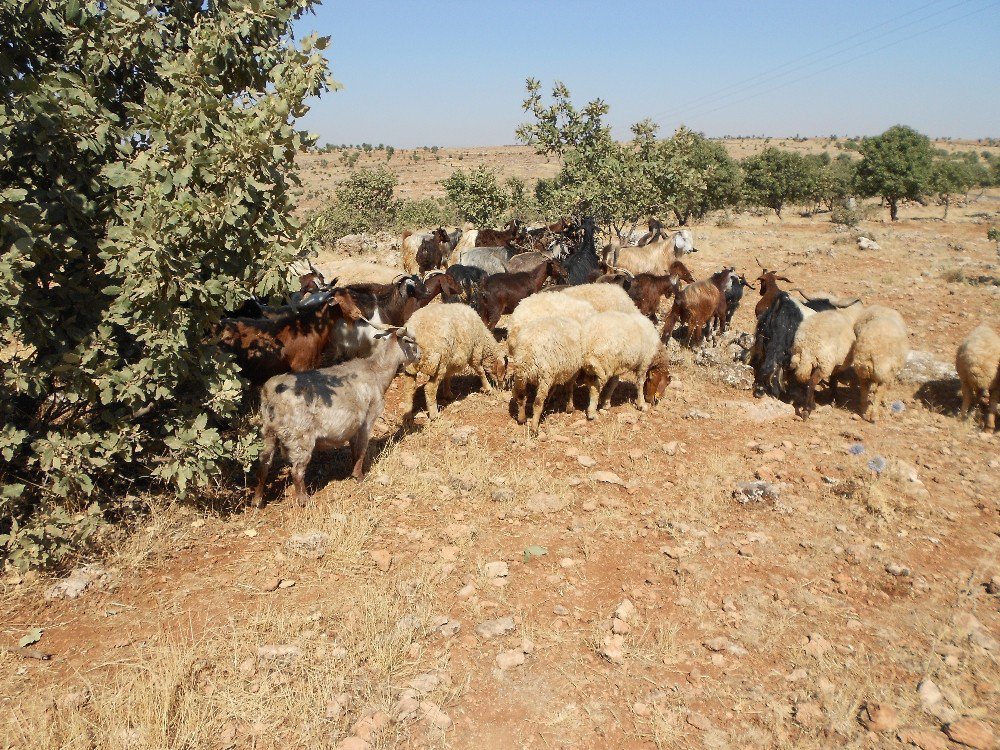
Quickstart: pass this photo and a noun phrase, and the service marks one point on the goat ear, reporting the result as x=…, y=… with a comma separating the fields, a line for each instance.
x=783, y=278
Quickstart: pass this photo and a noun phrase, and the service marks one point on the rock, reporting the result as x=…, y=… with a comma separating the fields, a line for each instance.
x=613, y=649
x=934, y=703
x=497, y=569
x=586, y=461
x=543, y=502
x=493, y=628
x=968, y=626
x=671, y=448
x=435, y=716
x=508, y=659
x=607, y=477
x=620, y=626
x=971, y=733
x=640, y=709
x=674, y=553
x=425, y=682
x=993, y=585
x=756, y=492
x=922, y=367
x=382, y=558
x=466, y=591
x=311, y=544
x=895, y=569
x=625, y=611
x=270, y=583
x=76, y=583
x=699, y=722
x=353, y=743
x=817, y=645
x=925, y=739
x=760, y=411
x=868, y=244
x=878, y=717
x=527, y=646
x=717, y=644
x=808, y=714
x=449, y=628
x=409, y=460
x=286, y=583
x=335, y=707
x=502, y=496
x=368, y=726
x=560, y=610
x=461, y=435
x=283, y=653
x=406, y=707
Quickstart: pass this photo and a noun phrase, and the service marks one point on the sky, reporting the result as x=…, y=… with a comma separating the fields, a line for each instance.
x=451, y=73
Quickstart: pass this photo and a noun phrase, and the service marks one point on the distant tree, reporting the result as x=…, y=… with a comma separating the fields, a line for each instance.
x=389, y=151
x=949, y=177
x=895, y=165
x=775, y=178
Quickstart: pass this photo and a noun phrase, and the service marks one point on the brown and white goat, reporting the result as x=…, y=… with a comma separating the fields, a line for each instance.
x=696, y=304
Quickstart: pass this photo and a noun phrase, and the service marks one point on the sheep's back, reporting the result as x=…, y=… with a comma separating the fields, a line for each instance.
x=547, y=346
x=978, y=358
x=602, y=297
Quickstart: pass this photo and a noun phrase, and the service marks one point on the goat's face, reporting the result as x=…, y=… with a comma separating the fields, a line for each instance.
x=557, y=271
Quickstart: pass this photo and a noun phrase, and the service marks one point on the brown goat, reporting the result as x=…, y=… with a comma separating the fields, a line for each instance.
x=696, y=304
x=294, y=343
x=769, y=289
x=510, y=236
x=647, y=288
x=501, y=292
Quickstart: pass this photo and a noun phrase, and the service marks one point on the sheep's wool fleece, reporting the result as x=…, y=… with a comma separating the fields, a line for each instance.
x=823, y=341
x=450, y=336
x=881, y=346
x=978, y=358
x=547, y=349
x=615, y=343
x=602, y=297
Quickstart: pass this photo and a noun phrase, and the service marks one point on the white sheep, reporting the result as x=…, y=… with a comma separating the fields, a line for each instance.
x=302, y=411
x=548, y=352
x=879, y=353
x=978, y=365
x=615, y=343
x=602, y=297
x=545, y=304
x=821, y=351
x=452, y=340
x=359, y=272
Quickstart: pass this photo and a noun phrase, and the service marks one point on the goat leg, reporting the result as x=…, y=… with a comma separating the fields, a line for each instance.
x=640, y=379
x=431, y=392
x=359, y=449
x=264, y=467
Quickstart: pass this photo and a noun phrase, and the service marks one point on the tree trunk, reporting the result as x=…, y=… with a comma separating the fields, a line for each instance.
x=893, y=209
x=947, y=202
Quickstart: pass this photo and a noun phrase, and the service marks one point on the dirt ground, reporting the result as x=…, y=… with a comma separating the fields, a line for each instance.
x=464, y=595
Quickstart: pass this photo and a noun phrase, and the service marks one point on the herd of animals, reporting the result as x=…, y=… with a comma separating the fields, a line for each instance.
x=575, y=314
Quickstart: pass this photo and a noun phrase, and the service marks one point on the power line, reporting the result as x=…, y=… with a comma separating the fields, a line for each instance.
x=699, y=111
x=767, y=73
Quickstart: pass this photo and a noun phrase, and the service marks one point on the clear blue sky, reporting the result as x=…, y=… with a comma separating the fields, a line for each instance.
x=451, y=73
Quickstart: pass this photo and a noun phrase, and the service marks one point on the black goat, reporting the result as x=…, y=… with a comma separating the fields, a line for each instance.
x=582, y=264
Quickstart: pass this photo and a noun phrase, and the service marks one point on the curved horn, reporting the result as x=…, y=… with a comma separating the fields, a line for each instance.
x=759, y=264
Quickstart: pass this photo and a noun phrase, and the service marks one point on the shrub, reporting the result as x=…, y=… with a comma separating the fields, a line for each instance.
x=425, y=212
x=144, y=189
x=477, y=196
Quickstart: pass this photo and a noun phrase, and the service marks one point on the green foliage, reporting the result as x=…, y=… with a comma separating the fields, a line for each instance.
x=949, y=177
x=367, y=200
x=775, y=178
x=147, y=160
x=477, y=196
x=832, y=181
x=425, y=212
x=895, y=165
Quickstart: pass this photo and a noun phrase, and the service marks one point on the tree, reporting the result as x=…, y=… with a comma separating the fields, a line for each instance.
x=949, y=177
x=144, y=189
x=895, y=165
x=477, y=196
x=833, y=182
x=775, y=178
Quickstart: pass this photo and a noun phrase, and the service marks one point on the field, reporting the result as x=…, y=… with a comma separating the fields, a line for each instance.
x=465, y=594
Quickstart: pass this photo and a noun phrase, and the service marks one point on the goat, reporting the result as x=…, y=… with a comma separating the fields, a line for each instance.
x=654, y=257
x=510, y=236
x=295, y=343
x=360, y=272
x=490, y=259
x=734, y=294
x=773, y=338
x=646, y=289
x=328, y=407
x=696, y=304
x=428, y=251
x=469, y=280
x=502, y=291
x=389, y=304
x=440, y=282
x=656, y=232
x=582, y=264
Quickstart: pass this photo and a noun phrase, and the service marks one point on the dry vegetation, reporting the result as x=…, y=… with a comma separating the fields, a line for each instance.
x=172, y=649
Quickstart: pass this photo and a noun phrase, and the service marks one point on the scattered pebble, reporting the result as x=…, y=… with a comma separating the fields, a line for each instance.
x=878, y=717
x=971, y=733
x=493, y=628
x=895, y=569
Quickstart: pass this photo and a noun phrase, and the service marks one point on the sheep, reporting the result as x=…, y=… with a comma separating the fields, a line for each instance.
x=547, y=352
x=349, y=272
x=327, y=407
x=452, y=339
x=879, y=353
x=615, y=343
x=978, y=365
x=602, y=297
x=545, y=304
x=821, y=351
